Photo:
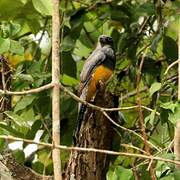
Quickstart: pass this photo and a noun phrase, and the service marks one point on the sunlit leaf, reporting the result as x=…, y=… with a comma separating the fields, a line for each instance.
x=120, y=173
x=24, y=102
x=4, y=45
x=9, y=130
x=169, y=105
x=25, y=77
x=69, y=81
x=9, y=8
x=150, y=118
x=154, y=88
x=43, y=6
x=175, y=116
x=16, y=48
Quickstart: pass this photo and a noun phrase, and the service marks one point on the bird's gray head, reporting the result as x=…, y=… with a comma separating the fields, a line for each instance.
x=104, y=40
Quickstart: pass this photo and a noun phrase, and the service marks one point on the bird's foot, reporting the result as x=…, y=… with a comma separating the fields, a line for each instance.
x=101, y=85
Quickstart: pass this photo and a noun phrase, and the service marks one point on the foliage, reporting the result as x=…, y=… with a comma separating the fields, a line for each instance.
x=137, y=27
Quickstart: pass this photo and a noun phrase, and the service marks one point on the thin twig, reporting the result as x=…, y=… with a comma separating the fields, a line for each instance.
x=50, y=85
x=141, y=118
x=132, y=93
x=171, y=65
x=98, y=107
x=31, y=91
x=155, y=158
x=133, y=147
x=126, y=129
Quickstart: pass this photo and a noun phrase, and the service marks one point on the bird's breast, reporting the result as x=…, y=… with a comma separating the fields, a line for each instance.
x=102, y=73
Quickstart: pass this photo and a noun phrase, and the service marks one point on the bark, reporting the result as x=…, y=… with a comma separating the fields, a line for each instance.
x=177, y=128
x=5, y=84
x=17, y=171
x=96, y=132
x=56, y=90
x=177, y=143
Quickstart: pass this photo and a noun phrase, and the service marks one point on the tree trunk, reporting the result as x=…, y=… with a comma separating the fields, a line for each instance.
x=95, y=132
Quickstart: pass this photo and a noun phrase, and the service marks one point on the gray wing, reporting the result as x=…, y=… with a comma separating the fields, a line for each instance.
x=96, y=58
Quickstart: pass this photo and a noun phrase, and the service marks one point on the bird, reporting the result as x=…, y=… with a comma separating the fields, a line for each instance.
x=96, y=71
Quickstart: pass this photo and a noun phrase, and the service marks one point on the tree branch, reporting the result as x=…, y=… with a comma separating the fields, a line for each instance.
x=56, y=90
x=154, y=158
x=31, y=91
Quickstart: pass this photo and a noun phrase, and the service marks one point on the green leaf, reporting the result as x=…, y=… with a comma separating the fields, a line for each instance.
x=15, y=28
x=164, y=113
x=4, y=45
x=28, y=115
x=2, y=144
x=155, y=41
x=38, y=167
x=111, y=175
x=43, y=6
x=69, y=81
x=121, y=13
x=24, y=77
x=176, y=174
x=24, y=102
x=77, y=18
x=150, y=118
x=170, y=49
x=169, y=105
x=10, y=131
x=67, y=60
x=67, y=44
x=16, y=48
x=175, y=116
x=19, y=156
x=154, y=88
x=147, y=8
x=32, y=17
x=34, y=128
x=9, y=8
x=168, y=177
x=16, y=118
x=123, y=173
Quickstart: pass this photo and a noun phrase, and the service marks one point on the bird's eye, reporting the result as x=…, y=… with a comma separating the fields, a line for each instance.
x=109, y=39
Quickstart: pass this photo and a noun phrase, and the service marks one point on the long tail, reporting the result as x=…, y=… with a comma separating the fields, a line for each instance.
x=80, y=118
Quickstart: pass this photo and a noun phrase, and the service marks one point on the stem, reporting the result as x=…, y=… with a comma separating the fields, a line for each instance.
x=56, y=90
x=177, y=128
x=141, y=117
x=179, y=64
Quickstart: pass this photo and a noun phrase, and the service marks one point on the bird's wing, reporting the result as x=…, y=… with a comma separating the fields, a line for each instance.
x=96, y=58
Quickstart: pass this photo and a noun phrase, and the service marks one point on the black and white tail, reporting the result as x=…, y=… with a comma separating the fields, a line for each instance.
x=80, y=119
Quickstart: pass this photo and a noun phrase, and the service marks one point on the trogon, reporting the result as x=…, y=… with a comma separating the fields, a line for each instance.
x=97, y=70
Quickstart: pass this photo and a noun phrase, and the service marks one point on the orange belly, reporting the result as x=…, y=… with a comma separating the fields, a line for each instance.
x=101, y=73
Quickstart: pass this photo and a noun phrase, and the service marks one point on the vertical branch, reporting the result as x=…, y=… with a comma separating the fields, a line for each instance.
x=56, y=90
x=179, y=63
x=141, y=117
x=177, y=128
